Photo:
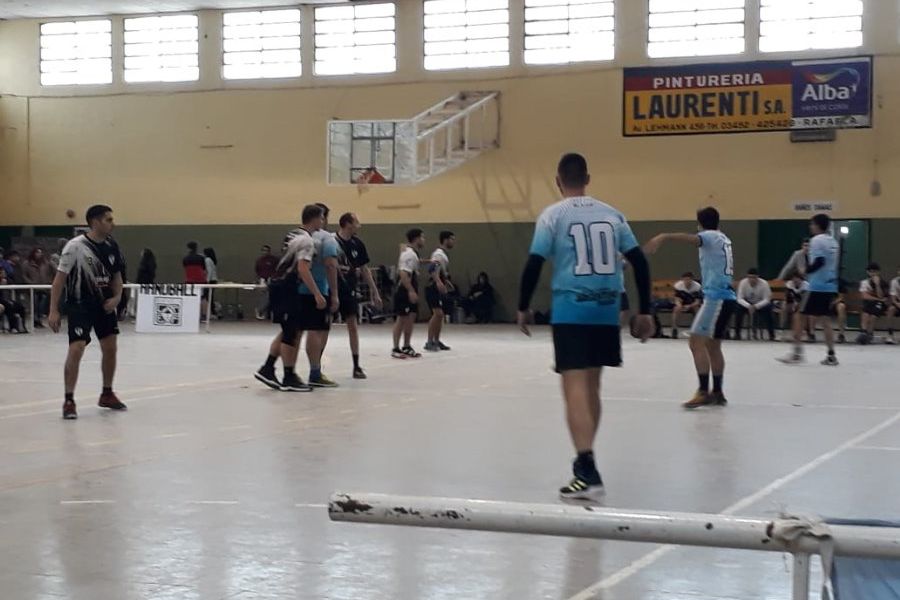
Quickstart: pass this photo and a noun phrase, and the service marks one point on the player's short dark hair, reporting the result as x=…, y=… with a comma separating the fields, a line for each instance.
x=413, y=234
x=325, y=209
x=805, y=240
x=708, y=218
x=687, y=274
x=822, y=221
x=310, y=212
x=752, y=271
x=445, y=235
x=346, y=219
x=96, y=212
x=873, y=266
x=192, y=246
x=572, y=170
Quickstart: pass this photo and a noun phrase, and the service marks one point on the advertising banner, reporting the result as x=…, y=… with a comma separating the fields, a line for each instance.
x=749, y=96
x=168, y=308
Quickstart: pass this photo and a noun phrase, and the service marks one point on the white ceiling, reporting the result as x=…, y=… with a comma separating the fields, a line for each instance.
x=28, y=9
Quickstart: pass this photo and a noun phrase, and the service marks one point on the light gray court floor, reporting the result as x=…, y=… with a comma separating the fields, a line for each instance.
x=213, y=487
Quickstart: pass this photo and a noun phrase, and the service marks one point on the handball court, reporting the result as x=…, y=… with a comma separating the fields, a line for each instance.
x=214, y=487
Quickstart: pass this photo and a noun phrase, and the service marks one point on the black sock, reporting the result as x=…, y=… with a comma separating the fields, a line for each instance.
x=717, y=383
x=70, y=397
x=356, y=361
x=703, y=378
x=289, y=371
x=831, y=352
x=270, y=362
x=107, y=390
x=585, y=466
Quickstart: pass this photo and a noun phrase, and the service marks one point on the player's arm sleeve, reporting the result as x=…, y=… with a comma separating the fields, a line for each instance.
x=66, y=260
x=815, y=265
x=625, y=238
x=305, y=250
x=362, y=256
x=530, y=276
x=641, y=269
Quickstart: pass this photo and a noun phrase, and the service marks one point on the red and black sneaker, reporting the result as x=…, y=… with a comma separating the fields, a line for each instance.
x=111, y=401
x=69, y=411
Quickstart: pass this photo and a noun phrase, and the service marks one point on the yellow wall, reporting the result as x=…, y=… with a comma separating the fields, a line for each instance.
x=141, y=152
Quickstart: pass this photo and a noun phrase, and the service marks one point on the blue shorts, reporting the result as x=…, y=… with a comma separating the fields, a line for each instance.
x=712, y=318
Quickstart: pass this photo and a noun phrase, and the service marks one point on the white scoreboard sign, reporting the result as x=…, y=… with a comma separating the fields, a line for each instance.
x=168, y=308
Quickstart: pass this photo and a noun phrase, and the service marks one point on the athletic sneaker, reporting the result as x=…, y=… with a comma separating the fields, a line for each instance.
x=111, y=401
x=69, y=411
x=322, y=381
x=890, y=340
x=409, y=352
x=841, y=338
x=791, y=359
x=266, y=375
x=292, y=383
x=830, y=361
x=701, y=398
x=580, y=489
x=717, y=398
x=674, y=333
x=431, y=347
x=442, y=346
x=398, y=353
x=358, y=373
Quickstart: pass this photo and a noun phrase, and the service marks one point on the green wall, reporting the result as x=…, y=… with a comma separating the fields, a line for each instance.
x=499, y=249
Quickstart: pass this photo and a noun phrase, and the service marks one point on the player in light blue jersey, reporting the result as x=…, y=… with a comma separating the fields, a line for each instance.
x=711, y=321
x=583, y=238
x=324, y=270
x=819, y=302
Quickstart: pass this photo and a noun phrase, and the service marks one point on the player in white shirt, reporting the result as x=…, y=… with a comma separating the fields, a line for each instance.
x=894, y=308
x=436, y=293
x=754, y=297
x=688, y=296
x=793, y=294
x=406, y=298
x=875, y=294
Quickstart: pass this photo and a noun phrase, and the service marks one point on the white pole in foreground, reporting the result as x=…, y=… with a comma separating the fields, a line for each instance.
x=687, y=529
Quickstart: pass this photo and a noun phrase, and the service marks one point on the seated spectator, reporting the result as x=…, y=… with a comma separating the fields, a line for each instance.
x=5, y=265
x=12, y=309
x=793, y=297
x=875, y=298
x=894, y=308
x=754, y=299
x=688, y=297
x=480, y=301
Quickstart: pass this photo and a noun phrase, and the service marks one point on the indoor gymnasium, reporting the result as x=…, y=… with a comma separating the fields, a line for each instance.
x=449, y=299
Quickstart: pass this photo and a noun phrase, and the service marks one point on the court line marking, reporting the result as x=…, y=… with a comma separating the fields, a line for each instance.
x=168, y=436
x=215, y=502
x=78, y=502
x=645, y=561
x=154, y=388
x=878, y=448
x=235, y=428
x=310, y=505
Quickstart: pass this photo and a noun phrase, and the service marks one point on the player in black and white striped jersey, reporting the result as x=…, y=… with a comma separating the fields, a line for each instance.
x=439, y=285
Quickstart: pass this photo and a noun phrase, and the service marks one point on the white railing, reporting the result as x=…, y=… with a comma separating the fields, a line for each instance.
x=201, y=286
x=685, y=529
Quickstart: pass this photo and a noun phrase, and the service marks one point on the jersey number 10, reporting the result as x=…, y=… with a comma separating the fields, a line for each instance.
x=595, y=249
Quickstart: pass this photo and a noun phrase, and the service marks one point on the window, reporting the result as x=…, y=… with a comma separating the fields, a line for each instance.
x=466, y=34
x=810, y=24
x=695, y=28
x=262, y=44
x=76, y=52
x=564, y=31
x=355, y=39
x=163, y=48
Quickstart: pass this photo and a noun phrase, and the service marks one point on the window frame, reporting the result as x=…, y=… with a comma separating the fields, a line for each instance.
x=362, y=74
x=260, y=79
x=510, y=63
x=49, y=88
x=612, y=61
x=745, y=54
x=123, y=56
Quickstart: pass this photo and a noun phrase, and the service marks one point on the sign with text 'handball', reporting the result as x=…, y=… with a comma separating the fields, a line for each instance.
x=748, y=96
x=168, y=308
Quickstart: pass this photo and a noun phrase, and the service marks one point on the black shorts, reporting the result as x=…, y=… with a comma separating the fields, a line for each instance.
x=402, y=305
x=82, y=320
x=624, y=304
x=349, y=305
x=586, y=346
x=310, y=318
x=818, y=304
x=876, y=308
x=434, y=298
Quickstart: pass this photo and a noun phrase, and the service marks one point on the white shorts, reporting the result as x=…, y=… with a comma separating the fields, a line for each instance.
x=712, y=318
